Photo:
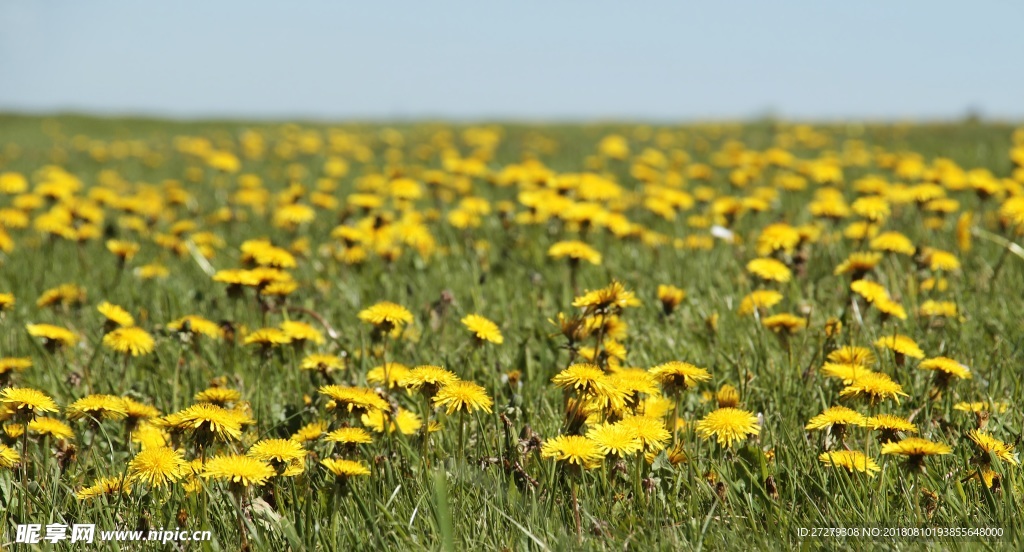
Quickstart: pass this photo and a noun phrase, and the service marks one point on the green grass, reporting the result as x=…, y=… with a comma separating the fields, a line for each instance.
x=486, y=500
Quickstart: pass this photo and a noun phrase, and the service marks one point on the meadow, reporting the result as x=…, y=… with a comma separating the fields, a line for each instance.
x=512, y=337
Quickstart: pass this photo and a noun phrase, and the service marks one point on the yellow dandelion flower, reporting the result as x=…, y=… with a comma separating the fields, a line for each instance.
x=650, y=430
x=14, y=364
x=130, y=341
x=858, y=264
x=873, y=208
x=351, y=255
x=386, y=315
x=310, y=432
x=677, y=455
x=393, y=371
x=728, y=425
x=583, y=378
x=349, y=436
x=891, y=308
x=833, y=326
x=777, y=237
x=207, y=421
x=50, y=426
x=829, y=205
x=300, y=331
x=13, y=183
x=26, y=400
x=116, y=314
x=916, y=449
x=428, y=379
x=615, y=440
x=293, y=215
x=987, y=476
x=405, y=188
x=483, y=329
x=963, y=231
x=66, y=295
x=890, y=424
x=574, y=450
x=101, y=407
x=267, y=337
x=355, y=398
x=576, y=251
x=137, y=411
x=263, y=253
x=612, y=326
x=8, y=457
x=193, y=482
x=934, y=284
x=770, y=270
x=612, y=298
x=727, y=396
x=242, y=413
x=607, y=397
x=851, y=354
x=344, y=469
x=947, y=367
x=980, y=406
x=223, y=161
x=158, y=466
x=194, y=324
x=404, y=421
x=279, y=453
x=106, y=486
x=368, y=202
x=850, y=460
x=633, y=381
x=279, y=289
x=236, y=277
x=940, y=261
x=933, y=308
x=614, y=146
x=874, y=386
x=152, y=272
x=218, y=395
x=322, y=363
x=463, y=396
x=784, y=323
x=677, y=375
x=238, y=469
x=893, y=242
x=901, y=345
x=55, y=335
x=758, y=300
x=670, y=298
x=148, y=436
x=261, y=277
x=990, y=445
x=871, y=292
x=125, y=250
x=13, y=431
x=836, y=415
x=1011, y=212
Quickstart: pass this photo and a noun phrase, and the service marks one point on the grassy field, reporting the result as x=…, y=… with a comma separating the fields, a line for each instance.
x=257, y=227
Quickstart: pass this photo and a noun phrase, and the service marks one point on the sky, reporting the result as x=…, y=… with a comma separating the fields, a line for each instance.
x=524, y=60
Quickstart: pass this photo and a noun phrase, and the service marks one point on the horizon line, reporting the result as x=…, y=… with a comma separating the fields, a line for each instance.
x=305, y=118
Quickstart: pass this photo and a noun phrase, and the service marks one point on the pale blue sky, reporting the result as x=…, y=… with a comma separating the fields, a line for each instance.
x=515, y=60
